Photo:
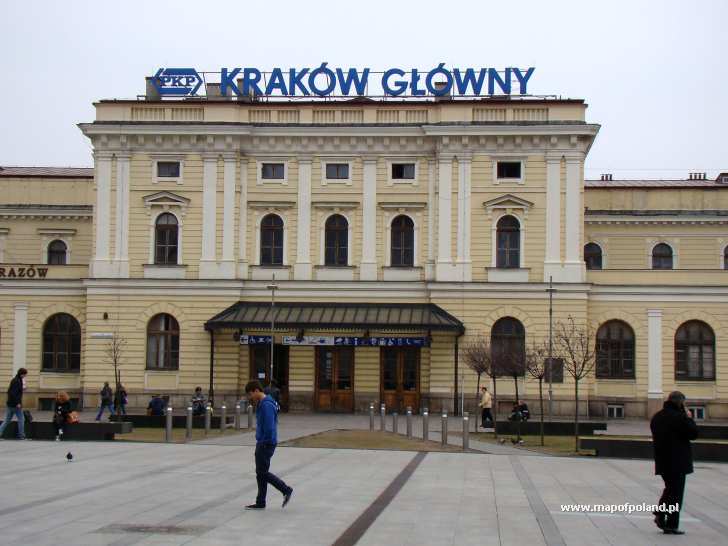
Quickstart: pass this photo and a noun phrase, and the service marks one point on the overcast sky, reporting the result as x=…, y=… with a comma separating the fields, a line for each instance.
x=654, y=73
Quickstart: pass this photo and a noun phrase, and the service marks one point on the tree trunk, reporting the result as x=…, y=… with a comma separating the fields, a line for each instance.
x=495, y=407
x=540, y=399
x=576, y=415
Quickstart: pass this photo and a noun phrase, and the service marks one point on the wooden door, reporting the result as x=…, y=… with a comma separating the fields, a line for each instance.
x=260, y=368
x=335, y=379
x=400, y=378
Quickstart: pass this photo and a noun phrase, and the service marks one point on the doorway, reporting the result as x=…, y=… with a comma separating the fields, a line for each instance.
x=335, y=379
x=400, y=378
x=260, y=368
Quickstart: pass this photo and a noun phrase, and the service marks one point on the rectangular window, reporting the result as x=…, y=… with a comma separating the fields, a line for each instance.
x=615, y=411
x=698, y=412
x=272, y=171
x=509, y=170
x=337, y=171
x=403, y=171
x=168, y=169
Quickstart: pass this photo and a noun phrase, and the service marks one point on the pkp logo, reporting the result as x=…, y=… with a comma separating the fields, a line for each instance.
x=178, y=82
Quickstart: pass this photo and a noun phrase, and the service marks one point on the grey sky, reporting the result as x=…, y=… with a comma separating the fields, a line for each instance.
x=655, y=74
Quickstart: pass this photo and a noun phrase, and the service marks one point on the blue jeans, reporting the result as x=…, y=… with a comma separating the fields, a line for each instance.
x=263, y=475
x=18, y=412
x=101, y=410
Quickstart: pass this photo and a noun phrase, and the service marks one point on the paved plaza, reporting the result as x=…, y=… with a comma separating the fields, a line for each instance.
x=127, y=493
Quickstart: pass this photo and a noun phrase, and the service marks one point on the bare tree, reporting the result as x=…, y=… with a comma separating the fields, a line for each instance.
x=511, y=363
x=576, y=345
x=536, y=366
x=478, y=357
x=114, y=353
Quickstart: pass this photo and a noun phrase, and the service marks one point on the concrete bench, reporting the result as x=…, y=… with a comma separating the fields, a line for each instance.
x=178, y=421
x=95, y=431
x=550, y=428
x=641, y=448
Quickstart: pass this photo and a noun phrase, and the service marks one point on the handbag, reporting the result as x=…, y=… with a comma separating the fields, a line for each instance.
x=73, y=417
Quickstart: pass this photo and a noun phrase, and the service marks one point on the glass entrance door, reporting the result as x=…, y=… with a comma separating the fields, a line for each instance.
x=400, y=378
x=335, y=379
x=260, y=368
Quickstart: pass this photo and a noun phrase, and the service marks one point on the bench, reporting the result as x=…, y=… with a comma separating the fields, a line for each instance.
x=95, y=431
x=641, y=448
x=550, y=428
x=178, y=421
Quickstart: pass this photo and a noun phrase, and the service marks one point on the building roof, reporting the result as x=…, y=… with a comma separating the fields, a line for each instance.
x=673, y=183
x=337, y=316
x=47, y=172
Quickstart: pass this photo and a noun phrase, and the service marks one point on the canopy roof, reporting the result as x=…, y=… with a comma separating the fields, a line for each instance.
x=337, y=316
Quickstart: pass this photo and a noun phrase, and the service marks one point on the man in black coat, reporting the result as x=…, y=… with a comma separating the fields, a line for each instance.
x=672, y=430
x=15, y=404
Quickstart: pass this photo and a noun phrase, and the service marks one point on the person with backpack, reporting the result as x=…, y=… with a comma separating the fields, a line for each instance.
x=266, y=439
x=15, y=404
x=107, y=400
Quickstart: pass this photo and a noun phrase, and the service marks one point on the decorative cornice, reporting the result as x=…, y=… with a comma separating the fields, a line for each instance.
x=403, y=205
x=507, y=201
x=343, y=205
x=47, y=212
x=271, y=204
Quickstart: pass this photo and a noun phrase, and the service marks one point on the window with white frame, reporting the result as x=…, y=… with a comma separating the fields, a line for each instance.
x=662, y=256
x=615, y=411
x=57, y=253
x=336, y=241
x=167, y=169
x=509, y=170
x=402, y=245
x=403, y=171
x=337, y=171
x=273, y=171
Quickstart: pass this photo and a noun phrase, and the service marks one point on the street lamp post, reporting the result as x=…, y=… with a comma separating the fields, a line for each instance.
x=551, y=290
x=272, y=287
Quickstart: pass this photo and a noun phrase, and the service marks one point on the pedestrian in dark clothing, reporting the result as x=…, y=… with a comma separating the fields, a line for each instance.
x=61, y=410
x=107, y=401
x=266, y=439
x=156, y=406
x=15, y=404
x=672, y=430
x=273, y=390
x=120, y=400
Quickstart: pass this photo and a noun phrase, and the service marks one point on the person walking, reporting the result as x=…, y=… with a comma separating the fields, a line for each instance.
x=486, y=403
x=266, y=439
x=672, y=430
x=107, y=400
x=120, y=400
x=61, y=411
x=15, y=404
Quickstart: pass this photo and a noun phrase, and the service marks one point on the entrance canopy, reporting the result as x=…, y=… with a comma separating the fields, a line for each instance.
x=337, y=316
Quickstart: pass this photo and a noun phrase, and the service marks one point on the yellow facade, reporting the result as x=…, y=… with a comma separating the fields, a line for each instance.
x=113, y=284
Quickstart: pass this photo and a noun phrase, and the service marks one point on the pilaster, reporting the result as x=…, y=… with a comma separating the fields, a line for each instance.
x=574, y=268
x=227, y=266
x=654, y=361
x=101, y=266
x=302, y=269
x=208, y=258
x=20, y=336
x=463, y=264
x=445, y=269
x=243, y=221
x=552, y=261
x=368, y=266
x=121, y=235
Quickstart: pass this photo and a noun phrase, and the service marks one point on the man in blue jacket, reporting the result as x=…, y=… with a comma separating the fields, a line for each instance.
x=266, y=439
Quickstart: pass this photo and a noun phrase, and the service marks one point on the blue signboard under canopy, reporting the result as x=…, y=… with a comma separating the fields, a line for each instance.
x=255, y=340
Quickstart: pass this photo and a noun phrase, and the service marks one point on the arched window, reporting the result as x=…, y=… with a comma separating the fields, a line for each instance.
x=508, y=346
x=662, y=256
x=57, y=252
x=593, y=256
x=163, y=343
x=337, y=241
x=725, y=258
x=508, y=240
x=615, y=350
x=695, y=351
x=166, y=235
x=403, y=242
x=61, y=343
x=271, y=240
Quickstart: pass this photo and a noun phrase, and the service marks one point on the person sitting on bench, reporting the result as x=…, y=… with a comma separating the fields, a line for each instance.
x=156, y=406
x=198, y=402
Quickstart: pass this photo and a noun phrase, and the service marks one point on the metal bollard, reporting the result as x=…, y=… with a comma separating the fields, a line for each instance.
x=443, y=440
x=425, y=424
x=395, y=428
x=382, y=412
x=208, y=418
x=409, y=422
x=466, y=431
x=371, y=416
x=223, y=418
x=250, y=416
x=237, y=417
x=188, y=431
x=168, y=427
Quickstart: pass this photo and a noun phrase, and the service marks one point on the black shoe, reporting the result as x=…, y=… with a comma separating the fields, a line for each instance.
x=673, y=532
x=255, y=507
x=659, y=520
x=287, y=498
